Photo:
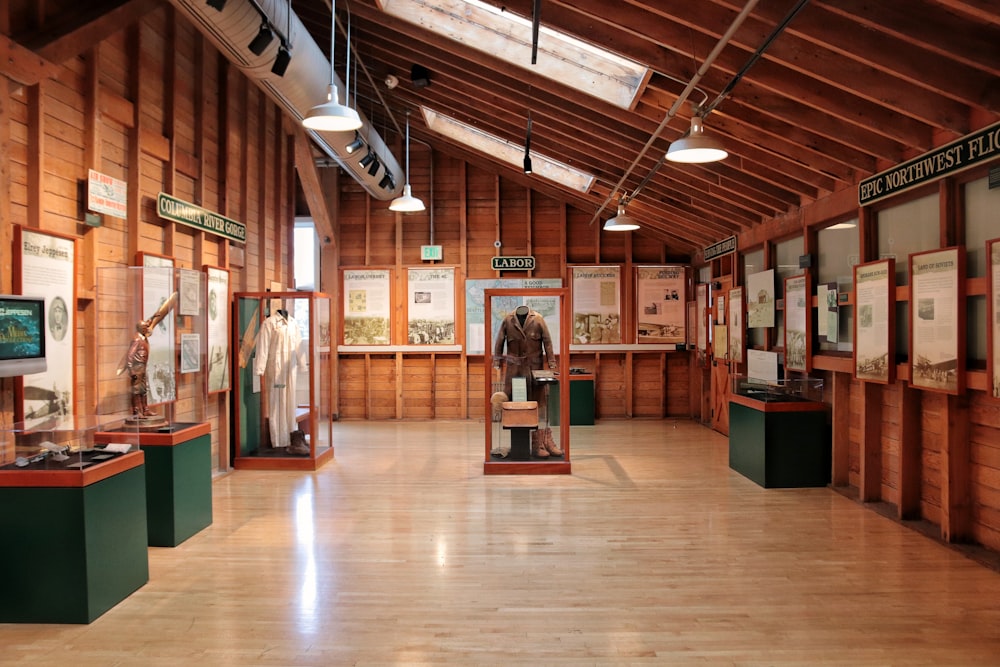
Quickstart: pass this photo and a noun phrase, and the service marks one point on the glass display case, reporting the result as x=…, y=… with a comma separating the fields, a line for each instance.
x=789, y=389
x=283, y=386
x=151, y=344
x=63, y=444
x=526, y=360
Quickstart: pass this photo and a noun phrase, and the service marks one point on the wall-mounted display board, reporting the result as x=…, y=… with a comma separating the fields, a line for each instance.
x=937, y=320
x=475, y=310
x=798, y=324
x=760, y=299
x=157, y=287
x=430, y=306
x=217, y=336
x=993, y=356
x=367, y=306
x=45, y=267
x=596, y=305
x=701, y=321
x=737, y=315
x=875, y=321
x=660, y=304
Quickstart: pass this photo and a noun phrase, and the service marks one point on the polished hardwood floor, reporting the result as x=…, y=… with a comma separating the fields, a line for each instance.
x=401, y=552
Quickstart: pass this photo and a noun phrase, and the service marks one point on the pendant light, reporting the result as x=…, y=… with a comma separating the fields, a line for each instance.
x=622, y=222
x=407, y=203
x=697, y=147
x=332, y=116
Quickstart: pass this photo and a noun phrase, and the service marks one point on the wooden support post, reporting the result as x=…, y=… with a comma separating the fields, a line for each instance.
x=956, y=473
x=841, y=419
x=910, y=448
x=870, y=484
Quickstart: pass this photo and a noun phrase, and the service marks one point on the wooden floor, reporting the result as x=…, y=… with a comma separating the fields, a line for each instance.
x=401, y=552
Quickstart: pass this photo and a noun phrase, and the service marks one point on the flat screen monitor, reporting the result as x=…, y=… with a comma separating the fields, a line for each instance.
x=22, y=335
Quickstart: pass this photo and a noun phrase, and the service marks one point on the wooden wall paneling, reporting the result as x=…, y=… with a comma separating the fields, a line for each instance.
x=87, y=264
x=870, y=482
x=399, y=412
x=984, y=441
x=36, y=153
x=889, y=445
x=933, y=427
x=134, y=150
x=628, y=383
x=840, y=417
x=170, y=95
x=956, y=476
x=908, y=483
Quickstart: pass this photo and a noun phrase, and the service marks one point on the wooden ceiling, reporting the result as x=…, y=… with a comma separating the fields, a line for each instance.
x=844, y=89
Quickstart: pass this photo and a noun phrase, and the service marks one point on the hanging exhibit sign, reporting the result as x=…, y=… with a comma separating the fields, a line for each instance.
x=937, y=320
x=720, y=249
x=430, y=306
x=157, y=288
x=596, y=305
x=367, y=306
x=660, y=301
x=512, y=263
x=106, y=195
x=938, y=163
x=218, y=328
x=875, y=322
x=177, y=210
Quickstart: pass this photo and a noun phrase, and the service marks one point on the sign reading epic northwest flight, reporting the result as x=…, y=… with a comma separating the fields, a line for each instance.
x=938, y=163
x=171, y=208
x=513, y=263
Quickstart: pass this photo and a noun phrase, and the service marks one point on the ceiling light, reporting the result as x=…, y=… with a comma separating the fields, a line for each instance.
x=387, y=182
x=850, y=224
x=281, y=61
x=527, y=147
x=262, y=40
x=368, y=158
x=527, y=163
x=373, y=167
x=217, y=4
x=622, y=222
x=332, y=116
x=407, y=203
x=356, y=144
x=696, y=147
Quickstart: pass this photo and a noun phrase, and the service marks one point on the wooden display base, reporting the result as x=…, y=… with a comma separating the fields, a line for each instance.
x=286, y=462
x=539, y=467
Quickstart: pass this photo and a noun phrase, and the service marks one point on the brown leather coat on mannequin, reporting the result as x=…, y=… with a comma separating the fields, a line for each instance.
x=527, y=345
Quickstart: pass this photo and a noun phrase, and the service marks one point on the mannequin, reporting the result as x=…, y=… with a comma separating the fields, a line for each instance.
x=277, y=362
x=528, y=344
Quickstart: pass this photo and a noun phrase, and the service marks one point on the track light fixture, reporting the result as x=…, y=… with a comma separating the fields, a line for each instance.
x=407, y=203
x=332, y=116
x=373, y=167
x=387, y=182
x=281, y=61
x=262, y=40
x=217, y=4
x=368, y=158
x=622, y=222
x=697, y=147
x=356, y=144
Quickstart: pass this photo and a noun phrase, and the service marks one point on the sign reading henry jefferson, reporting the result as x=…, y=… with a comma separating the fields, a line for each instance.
x=171, y=208
x=938, y=163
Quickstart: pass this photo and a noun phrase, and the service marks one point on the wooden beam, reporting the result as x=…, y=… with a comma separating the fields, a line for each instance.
x=910, y=448
x=312, y=186
x=841, y=421
x=91, y=23
x=870, y=484
x=956, y=473
x=23, y=66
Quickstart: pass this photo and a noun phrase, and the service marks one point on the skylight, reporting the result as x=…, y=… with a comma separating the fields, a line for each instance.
x=506, y=151
x=562, y=58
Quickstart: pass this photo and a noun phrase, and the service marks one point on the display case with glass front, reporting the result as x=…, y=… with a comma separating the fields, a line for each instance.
x=66, y=446
x=780, y=391
x=526, y=356
x=281, y=357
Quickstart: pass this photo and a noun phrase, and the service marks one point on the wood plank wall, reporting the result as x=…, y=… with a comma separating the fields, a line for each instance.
x=472, y=208
x=155, y=105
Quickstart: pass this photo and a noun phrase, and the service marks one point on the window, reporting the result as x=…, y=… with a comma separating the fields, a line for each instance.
x=306, y=252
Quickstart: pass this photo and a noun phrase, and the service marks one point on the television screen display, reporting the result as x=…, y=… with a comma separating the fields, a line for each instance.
x=22, y=335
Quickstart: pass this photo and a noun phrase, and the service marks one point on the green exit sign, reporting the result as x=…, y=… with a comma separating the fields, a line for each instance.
x=430, y=253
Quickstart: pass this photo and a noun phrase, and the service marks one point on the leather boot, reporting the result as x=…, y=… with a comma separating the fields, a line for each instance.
x=550, y=444
x=538, y=449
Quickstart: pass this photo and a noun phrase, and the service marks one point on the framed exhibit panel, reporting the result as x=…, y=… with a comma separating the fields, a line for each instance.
x=937, y=320
x=524, y=368
x=736, y=323
x=660, y=304
x=798, y=324
x=760, y=299
x=367, y=306
x=993, y=328
x=701, y=321
x=875, y=321
x=282, y=397
x=217, y=330
x=430, y=306
x=45, y=267
x=596, y=305
x=475, y=309
x=158, y=286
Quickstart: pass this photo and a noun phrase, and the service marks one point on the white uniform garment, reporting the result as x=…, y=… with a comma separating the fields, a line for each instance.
x=277, y=361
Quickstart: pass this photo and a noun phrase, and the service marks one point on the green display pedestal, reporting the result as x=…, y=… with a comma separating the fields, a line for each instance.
x=779, y=445
x=581, y=401
x=71, y=553
x=178, y=481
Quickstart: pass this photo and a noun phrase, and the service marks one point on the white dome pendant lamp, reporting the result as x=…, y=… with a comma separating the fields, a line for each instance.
x=332, y=116
x=407, y=203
